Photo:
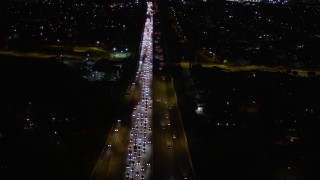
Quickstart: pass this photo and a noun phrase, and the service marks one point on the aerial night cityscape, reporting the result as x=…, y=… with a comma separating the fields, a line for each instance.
x=159, y=89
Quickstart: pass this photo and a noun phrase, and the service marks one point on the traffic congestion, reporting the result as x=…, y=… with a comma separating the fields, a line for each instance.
x=139, y=157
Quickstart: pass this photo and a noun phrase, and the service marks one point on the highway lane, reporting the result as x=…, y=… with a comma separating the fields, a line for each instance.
x=174, y=162
x=171, y=152
x=117, y=160
x=112, y=159
x=163, y=157
x=180, y=143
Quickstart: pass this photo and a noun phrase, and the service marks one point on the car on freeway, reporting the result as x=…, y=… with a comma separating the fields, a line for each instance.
x=174, y=136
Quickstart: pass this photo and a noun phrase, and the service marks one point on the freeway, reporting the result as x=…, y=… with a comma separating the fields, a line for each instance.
x=180, y=143
x=171, y=153
x=128, y=150
x=163, y=156
x=114, y=153
x=148, y=140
